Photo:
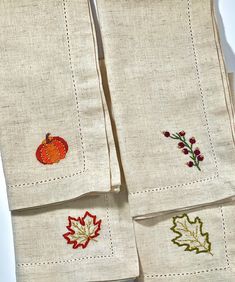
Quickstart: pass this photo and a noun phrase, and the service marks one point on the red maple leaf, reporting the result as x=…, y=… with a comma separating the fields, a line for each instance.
x=82, y=230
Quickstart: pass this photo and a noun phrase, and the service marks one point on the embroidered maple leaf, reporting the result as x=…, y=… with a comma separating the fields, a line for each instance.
x=82, y=230
x=190, y=234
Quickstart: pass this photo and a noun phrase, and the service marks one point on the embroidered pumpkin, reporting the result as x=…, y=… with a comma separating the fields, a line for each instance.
x=52, y=150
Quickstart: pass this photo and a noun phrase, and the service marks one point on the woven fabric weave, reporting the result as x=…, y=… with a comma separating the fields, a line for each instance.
x=51, y=84
x=166, y=77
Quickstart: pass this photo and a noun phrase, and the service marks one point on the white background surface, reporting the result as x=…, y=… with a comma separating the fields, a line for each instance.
x=227, y=28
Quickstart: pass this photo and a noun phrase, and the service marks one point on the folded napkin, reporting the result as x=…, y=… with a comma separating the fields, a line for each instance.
x=169, y=96
x=192, y=245
x=89, y=239
x=56, y=138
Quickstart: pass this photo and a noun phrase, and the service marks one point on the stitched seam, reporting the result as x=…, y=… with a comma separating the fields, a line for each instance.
x=184, y=273
x=173, y=186
x=73, y=80
x=200, y=83
x=77, y=109
x=108, y=220
x=225, y=237
x=48, y=180
x=61, y=261
x=106, y=200
x=204, y=111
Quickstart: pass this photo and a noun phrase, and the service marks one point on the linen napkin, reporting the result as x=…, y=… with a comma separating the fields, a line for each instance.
x=56, y=139
x=88, y=239
x=169, y=99
x=192, y=245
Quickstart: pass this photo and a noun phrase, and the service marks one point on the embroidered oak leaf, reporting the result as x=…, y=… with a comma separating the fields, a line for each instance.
x=190, y=234
x=82, y=230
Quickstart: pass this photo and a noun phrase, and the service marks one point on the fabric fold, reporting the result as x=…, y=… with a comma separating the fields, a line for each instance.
x=56, y=139
x=170, y=101
x=114, y=164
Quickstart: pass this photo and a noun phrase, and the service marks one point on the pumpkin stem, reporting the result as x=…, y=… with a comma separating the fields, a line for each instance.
x=48, y=138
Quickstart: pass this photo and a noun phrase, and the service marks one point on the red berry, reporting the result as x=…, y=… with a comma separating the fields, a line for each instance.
x=197, y=152
x=166, y=133
x=192, y=140
x=200, y=158
x=182, y=133
x=180, y=145
x=190, y=164
x=185, y=151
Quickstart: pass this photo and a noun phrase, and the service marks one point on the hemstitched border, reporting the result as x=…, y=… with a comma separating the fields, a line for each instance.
x=201, y=271
x=48, y=180
x=185, y=273
x=189, y=13
x=64, y=2
x=173, y=186
x=108, y=220
x=60, y=261
x=73, y=79
x=196, y=63
x=106, y=200
x=225, y=237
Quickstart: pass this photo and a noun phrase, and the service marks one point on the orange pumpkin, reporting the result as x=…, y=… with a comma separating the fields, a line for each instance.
x=52, y=150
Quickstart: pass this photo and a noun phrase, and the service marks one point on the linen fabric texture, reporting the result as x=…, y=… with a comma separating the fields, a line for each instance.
x=165, y=74
x=162, y=260
x=42, y=253
x=51, y=84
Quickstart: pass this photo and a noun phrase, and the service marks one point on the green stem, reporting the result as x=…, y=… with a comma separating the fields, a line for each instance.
x=190, y=148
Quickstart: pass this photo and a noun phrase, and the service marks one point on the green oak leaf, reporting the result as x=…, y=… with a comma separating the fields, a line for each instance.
x=190, y=234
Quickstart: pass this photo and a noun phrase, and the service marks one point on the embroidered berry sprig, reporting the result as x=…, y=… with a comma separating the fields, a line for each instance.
x=187, y=148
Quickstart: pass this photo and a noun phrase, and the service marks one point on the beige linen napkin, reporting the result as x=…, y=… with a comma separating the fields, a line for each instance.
x=192, y=245
x=43, y=254
x=50, y=83
x=168, y=89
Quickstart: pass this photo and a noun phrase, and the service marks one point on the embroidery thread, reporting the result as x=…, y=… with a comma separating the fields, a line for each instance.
x=190, y=234
x=187, y=148
x=82, y=230
x=52, y=150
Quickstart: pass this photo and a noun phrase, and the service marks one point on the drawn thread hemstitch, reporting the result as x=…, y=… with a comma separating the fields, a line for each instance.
x=73, y=80
x=78, y=259
x=204, y=111
x=200, y=271
x=78, y=115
